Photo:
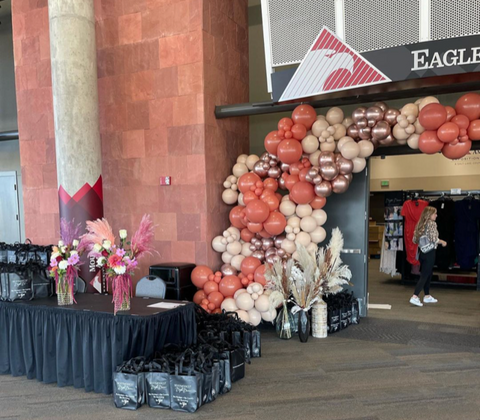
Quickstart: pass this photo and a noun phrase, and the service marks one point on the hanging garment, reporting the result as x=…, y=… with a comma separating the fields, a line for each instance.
x=445, y=257
x=467, y=214
x=388, y=260
x=411, y=211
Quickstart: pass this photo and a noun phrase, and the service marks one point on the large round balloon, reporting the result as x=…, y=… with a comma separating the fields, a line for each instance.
x=302, y=192
x=236, y=217
x=448, y=132
x=304, y=114
x=247, y=181
x=210, y=287
x=216, y=298
x=456, y=151
x=474, y=130
x=229, y=285
x=432, y=116
x=249, y=265
x=289, y=151
x=299, y=131
x=428, y=142
x=461, y=120
x=200, y=275
x=259, y=275
x=275, y=224
x=271, y=142
x=199, y=296
x=318, y=202
x=469, y=105
x=257, y=211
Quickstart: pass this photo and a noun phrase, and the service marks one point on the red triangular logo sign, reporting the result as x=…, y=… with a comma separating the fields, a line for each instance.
x=331, y=65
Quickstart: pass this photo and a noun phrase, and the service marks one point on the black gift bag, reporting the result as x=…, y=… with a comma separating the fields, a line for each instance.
x=237, y=364
x=355, y=312
x=343, y=317
x=43, y=285
x=16, y=283
x=157, y=385
x=186, y=390
x=3, y=253
x=12, y=253
x=333, y=320
x=256, y=344
x=129, y=384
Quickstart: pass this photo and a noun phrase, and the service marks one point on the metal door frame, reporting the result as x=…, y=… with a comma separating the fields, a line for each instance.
x=14, y=174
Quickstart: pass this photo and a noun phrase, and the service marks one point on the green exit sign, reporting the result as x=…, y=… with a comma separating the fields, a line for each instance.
x=385, y=183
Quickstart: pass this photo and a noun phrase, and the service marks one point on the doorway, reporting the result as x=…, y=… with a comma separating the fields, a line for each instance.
x=10, y=231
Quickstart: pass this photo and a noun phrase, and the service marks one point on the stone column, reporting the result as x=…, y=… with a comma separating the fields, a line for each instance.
x=75, y=105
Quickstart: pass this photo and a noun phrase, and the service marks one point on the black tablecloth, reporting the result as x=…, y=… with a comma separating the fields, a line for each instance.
x=81, y=345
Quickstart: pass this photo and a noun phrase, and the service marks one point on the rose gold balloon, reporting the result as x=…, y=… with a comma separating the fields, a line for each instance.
x=279, y=240
x=352, y=131
x=317, y=179
x=259, y=169
x=313, y=172
x=386, y=141
x=259, y=254
x=365, y=133
x=362, y=123
x=359, y=113
x=284, y=167
x=382, y=105
x=345, y=166
x=281, y=253
x=349, y=177
x=391, y=116
x=326, y=158
x=375, y=143
x=308, y=178
x=228, y=270
x=281, y=183
x=324, y=189
x=274, y=172
x=340, y=184
x=265, y=157
x=374, y=114
x=329, y=171
x=381, y=130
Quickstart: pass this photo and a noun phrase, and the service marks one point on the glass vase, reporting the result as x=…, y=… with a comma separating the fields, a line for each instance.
x=64, y=293
x=303, y=326
x=284, y=324
x=122, y=303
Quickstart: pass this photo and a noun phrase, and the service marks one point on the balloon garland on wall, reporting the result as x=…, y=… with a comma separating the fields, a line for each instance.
x=311, y=157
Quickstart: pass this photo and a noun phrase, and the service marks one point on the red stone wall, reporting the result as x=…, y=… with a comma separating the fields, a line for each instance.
x=162, y=67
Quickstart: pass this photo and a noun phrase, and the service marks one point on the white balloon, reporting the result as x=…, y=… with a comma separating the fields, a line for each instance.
x=262, y=304
x=342, y=141
x=418, y=127
x=239, y=169
x=328, y=147
x=269, y=316
x=229, y=305
x=293, y=221
x=287, y=208
x=286, y=198
x=240, y=199
x=257, y=288
x=250, y=289
x=234, y=248
x=246, y=251
x=245, y=302
x=243, y=315
x=232, y=179
x=318, y=235
x=308, y=224
x=310, y=144
x=218, y=245
x=303, y=238
x=226, y=257
x=288, y=246
x=288, y=229
x=358, y=165
x=312, y=248
x=320, y=216
x=366, y=148
x=227, y=184
x=296, y=230
x=413, y=141
x=242, y=158
x=334, y=115
x=239, y=292
x=237, y=261
x=291, y=236
x=234, y=232
x=319, y=126
x=255, y=317
x=347, y=122
x=350, y=150
x=428, y=100
x=313, y=158
x=340, y=131
x=304, y=210
x=399, y=133
x=229, y=196
x=251, y=161
x=254, y=296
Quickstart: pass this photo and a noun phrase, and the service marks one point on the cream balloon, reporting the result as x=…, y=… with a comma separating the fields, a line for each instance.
x=244, y=302
x=319, y=126
x=402, y=142
x=239, y=292
x=288, y=246
x=237, y=261
x=318, y=235
x=428, y=100
x=410, y=109
x=342, y=141
x=246, y=251
x=226, y=257
x=294, y=222
x=255, y=317
x=350, y=150
x=233, y=231
x=269, y=316
x=287, y=208
x=262, y=304
x=234, y=248
x=328, y=147
x=313, y=158
x=239, y=169
x=291, y=236
x=358, y=165
x=229, y=305
x=218, y=244
x=366, y=148
x=334, y=115
x=286, y=198
x=288, y=229
x=321, y=117
x=240, y=199
x=320, y=216
x=310, y=144
x=399, y=133
x=340, y=131
x=242, y=158
x=304, y=210
x=251, y=161
x=413, y=141
x=347, y=122
x=418, y=127
x=303, y=238
x=308, y=224
x=312, y=248
x=243, y=315
x=229, y=196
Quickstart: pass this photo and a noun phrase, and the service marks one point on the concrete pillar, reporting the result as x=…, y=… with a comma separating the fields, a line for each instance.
x=75, y=105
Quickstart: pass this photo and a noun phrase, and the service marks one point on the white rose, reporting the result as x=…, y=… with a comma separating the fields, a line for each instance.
x=62, y=265
x=97, y=247
x=107, y=245
x=60, y=243
x=55, y=255
x=73, y=252
x=75, y=243
x=120, y=269
x=64, y=249
x=123, y=233
x=100, y=261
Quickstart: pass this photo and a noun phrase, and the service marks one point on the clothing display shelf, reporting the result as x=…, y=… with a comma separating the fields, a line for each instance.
x=435, y=198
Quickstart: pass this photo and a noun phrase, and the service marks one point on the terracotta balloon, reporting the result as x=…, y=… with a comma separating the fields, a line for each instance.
x=299, y=131
x=324, y=189
x=429, y=143
x=249, y=265
x=304, y=114
x=302, y=192
x=257, y=211
x=246, y=181
x=255, y=227
x=276, y=222
x=216, y=298
x=340, y=184
x=381, y=130
x=236, y=217
x=432, y=116
x=456, y=151
x=270, y=184
x=229, y=285
x=448, y=132
x=200, y=275
x=210, y=286
x=461, y=120
x=329, y=171
x=259, y=275
x=285, y=124
x=199, y=296
x=391, y=116
x=289, y=151
x=469, y=105
x=246, y=235
x=271, y=142
x=318, y=203
x=272, y=201
x=450, y=112
x=474, y=130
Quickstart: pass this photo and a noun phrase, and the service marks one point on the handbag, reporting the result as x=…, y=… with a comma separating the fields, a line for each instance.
x=424, y=243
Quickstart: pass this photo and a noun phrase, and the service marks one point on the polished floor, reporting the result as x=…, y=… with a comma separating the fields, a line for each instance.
x=406, y=363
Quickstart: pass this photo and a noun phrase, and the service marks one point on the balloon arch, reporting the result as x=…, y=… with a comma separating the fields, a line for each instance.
x=313, y=156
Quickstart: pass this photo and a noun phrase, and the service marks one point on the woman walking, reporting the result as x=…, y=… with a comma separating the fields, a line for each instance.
x=427, y=230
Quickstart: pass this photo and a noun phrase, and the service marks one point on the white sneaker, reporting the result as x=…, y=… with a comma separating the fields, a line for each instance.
x=415, y=301
x=429, y=299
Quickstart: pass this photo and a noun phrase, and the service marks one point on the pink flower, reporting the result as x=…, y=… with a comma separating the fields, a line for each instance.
x=74, y=259
x=114, y=260
x=120, y=252
x=132, y=265
x=53, y=262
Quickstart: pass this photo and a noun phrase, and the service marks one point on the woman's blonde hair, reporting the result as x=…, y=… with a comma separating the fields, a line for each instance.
x=424, y=218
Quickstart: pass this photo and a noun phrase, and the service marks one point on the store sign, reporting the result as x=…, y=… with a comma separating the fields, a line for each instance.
x=414, y=61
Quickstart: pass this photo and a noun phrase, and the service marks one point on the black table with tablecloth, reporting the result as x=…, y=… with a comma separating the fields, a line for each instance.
x=82, y=344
